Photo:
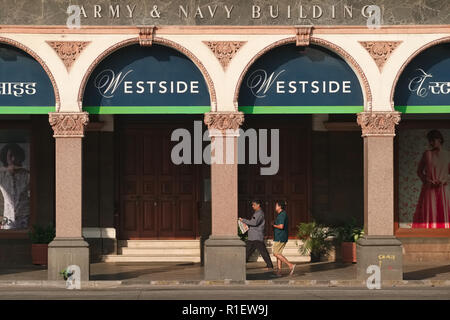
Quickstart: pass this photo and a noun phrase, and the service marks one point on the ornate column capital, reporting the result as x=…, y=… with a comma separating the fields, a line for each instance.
x=378, y=123
x=68, y=124
x=223, y=121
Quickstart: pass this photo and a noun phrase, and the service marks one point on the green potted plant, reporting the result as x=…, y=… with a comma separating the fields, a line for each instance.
x=347, y=235
x=314, y=240
x=40, y=238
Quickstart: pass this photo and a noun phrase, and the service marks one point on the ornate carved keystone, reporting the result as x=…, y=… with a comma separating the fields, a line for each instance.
x=146, y=36
x=303, y=36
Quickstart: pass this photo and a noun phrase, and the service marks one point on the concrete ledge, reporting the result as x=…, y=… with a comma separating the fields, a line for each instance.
x=22, y=284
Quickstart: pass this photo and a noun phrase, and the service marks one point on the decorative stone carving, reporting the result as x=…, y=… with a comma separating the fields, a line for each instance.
x=380, y=51
x=224, y=50
x=378, y=123
x=303, y=36
x=224, y=120
x=68, y=51
x=146, y=36
x=68, y=125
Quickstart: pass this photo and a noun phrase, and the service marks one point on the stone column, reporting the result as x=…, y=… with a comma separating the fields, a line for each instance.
x=224, y=251
x=68, y=247
x=379, y=245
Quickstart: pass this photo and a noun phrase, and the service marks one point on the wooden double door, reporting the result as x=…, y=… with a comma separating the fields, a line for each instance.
x=158, y=199
x=292, y=181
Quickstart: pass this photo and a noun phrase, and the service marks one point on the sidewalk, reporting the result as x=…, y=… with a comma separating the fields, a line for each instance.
x=308, y=274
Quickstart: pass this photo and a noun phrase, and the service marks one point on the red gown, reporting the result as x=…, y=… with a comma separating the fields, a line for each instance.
x=433, y=207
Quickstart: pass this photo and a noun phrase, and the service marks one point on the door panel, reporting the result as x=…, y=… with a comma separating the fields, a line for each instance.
x=290, y=183
x=158, y=199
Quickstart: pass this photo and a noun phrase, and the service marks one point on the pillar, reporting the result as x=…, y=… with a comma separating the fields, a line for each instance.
x=224, y=251
x=68, y=247
x=379, y=245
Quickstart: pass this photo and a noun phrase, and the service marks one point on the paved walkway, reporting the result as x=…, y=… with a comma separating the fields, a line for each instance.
x=136, y=272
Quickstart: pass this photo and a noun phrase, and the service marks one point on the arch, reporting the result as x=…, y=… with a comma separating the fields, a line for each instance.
x=323, y=43
x=36, y=57
x=157, y=40
x=407, y=62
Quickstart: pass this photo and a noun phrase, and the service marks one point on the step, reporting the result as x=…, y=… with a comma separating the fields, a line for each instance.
x=150, y=258
x=159, y=251
x=160, y=244
x=297, y=258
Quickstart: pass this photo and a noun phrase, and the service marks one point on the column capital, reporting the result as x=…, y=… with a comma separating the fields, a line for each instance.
x=222, y=121
x=68, y=124
x=378, y=123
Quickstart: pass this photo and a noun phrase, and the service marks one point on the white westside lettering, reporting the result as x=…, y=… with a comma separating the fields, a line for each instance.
x=17, y=89
x=259, y=83
x=107, y=82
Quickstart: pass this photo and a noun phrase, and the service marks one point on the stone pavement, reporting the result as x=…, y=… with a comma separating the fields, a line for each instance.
x=322, y=273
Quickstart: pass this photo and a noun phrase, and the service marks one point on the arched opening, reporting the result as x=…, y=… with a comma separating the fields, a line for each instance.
x=311, y=96
x=422, y=94
x=28, y=93
x=134, y=190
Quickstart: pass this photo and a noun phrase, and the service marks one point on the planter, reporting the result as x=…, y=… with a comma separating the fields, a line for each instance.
x=315, y=257
x=348, y=251
x=39, y=254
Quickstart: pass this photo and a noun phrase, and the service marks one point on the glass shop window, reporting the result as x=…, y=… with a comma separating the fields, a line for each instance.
x=14, y=179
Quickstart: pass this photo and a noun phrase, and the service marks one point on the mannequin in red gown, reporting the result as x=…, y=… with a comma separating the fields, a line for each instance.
x=433, y=207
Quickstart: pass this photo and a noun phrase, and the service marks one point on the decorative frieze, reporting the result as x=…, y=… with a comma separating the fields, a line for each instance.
x=380, y=51
x=68, y=51
x=224, y=120
x=378, y=123
x=68, y=125
x=224, y=50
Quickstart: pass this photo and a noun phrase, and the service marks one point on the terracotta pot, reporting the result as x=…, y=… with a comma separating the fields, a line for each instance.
x=348, y=250
x=39, y=254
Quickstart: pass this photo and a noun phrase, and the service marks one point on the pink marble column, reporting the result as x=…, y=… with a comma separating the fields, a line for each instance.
x=68, y=247
x=378, y=131
x=379, y=246
x=224, y=251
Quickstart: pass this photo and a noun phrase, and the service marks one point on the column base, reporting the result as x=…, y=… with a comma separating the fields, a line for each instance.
x=383, y=251
x=225, y=258
x=63, y=252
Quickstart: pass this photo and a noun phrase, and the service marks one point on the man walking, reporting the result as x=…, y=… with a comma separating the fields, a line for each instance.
x=280, y=238
x=256, y=234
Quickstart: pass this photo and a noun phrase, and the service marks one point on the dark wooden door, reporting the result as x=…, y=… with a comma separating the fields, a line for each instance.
x=158, y=199
x=291, y=183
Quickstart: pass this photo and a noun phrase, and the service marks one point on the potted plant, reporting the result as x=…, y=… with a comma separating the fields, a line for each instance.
x=347, y=236
x=314, y=240
x=40, y=238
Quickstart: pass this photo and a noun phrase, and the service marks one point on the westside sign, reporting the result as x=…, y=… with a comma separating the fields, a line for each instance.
x=260, y=83
x=153, y=79
x=24, y=85
x=424, y=85
x=309, y=81
x=107, y=83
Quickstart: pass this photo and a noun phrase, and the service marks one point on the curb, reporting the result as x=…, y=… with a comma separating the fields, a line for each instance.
x=210, y=283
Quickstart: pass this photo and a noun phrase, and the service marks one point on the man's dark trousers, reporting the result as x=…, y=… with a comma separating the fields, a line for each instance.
x=256, y=244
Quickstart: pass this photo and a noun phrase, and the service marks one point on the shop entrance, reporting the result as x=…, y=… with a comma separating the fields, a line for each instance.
x=158, y=199
x=292, y=181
